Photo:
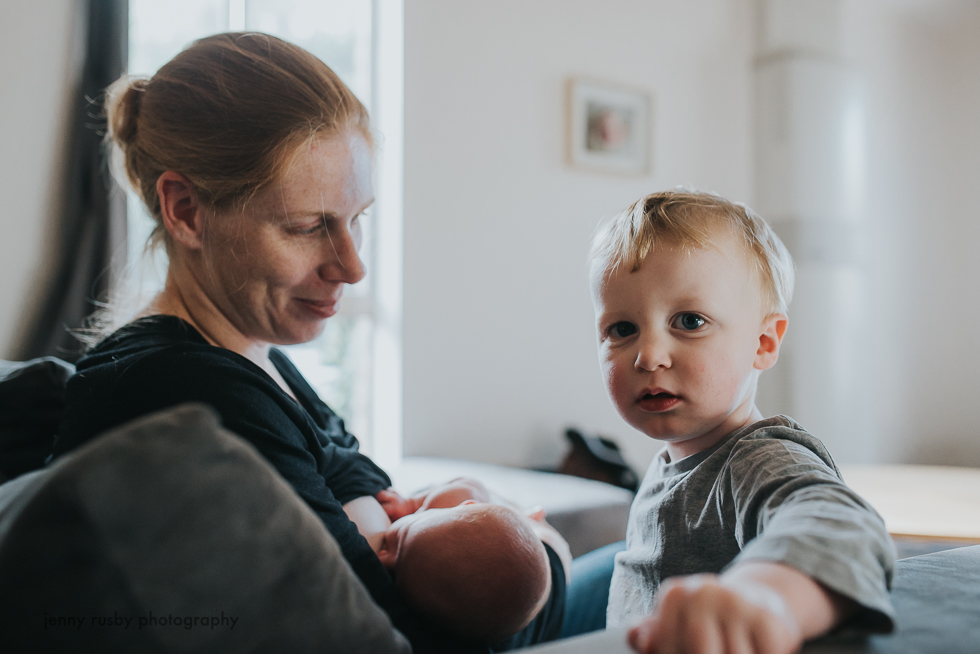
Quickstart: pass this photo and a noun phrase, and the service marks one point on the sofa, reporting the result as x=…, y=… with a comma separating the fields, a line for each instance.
x=171, y=534
x=936, y=598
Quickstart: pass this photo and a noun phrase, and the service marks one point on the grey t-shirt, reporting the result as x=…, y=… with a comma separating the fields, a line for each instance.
x=769, y=491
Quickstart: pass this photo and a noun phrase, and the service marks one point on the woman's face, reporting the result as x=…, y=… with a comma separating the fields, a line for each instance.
x=277, y=269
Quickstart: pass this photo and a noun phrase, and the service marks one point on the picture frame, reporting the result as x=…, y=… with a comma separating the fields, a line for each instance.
x=609, y=127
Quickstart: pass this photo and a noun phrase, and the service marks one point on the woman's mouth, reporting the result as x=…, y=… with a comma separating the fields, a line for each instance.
x=319, y=308
x=658, y=401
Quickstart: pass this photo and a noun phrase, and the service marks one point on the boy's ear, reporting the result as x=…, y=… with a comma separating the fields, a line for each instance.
x=180, y=209
x=773, y=330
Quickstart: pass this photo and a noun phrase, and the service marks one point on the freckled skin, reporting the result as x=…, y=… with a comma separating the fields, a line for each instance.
x=713, y=369
x=276, y=270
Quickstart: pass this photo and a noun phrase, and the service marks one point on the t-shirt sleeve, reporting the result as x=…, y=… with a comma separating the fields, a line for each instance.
x=793, y=508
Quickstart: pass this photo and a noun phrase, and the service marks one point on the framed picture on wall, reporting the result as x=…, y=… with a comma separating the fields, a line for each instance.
x=609, y=127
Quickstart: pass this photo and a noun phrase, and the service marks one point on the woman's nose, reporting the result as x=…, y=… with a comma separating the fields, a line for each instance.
x=343, y=263
x=654, y=352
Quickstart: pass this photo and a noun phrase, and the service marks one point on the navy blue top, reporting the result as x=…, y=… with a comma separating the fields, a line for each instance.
x=160, y=361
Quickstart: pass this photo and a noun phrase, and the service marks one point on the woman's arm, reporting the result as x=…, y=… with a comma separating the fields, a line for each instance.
x=371, y=519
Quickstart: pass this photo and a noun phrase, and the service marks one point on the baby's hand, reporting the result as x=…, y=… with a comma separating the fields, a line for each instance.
x=701, y=614
x=395, y=505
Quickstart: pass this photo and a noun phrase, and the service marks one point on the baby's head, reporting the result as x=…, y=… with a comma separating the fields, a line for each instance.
x=477, y=569
x=691, y=293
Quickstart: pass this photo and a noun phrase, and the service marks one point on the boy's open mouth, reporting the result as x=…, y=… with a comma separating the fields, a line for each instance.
x=658, y=401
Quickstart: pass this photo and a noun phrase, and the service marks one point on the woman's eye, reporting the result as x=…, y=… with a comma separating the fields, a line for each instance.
x=689, y=321
x=623, y=329
x=312, y=229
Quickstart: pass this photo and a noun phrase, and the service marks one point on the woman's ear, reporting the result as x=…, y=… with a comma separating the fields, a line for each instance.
x=181, y=210
x=773, y=330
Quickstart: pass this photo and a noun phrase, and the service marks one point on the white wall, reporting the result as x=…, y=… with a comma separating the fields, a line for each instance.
x=921, y=64
x=499, y=347
x=36, y=59
x=498, y=337
x=499, y=340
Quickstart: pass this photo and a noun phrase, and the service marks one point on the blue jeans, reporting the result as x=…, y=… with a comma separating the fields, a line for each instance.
x=588, y=594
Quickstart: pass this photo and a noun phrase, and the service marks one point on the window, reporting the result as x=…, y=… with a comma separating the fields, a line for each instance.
x=355, y=365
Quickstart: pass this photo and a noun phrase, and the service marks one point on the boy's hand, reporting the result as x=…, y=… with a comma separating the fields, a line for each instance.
x=702, y=614
x=397, y=506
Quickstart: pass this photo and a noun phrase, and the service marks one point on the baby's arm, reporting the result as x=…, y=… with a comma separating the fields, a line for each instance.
x=441, y=496
x=373, y=515
x=756, y=606
x=461, y=489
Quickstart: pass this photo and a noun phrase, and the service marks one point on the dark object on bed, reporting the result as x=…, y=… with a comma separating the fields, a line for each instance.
x=32, y=400
x=597, y=457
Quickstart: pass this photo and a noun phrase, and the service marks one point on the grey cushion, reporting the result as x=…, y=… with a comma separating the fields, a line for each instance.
x=174, y=519
x=32, y=399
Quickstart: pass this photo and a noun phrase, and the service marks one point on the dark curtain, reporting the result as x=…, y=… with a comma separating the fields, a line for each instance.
x=93, y=209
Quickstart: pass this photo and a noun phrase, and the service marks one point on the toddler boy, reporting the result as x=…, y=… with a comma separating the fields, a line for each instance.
x=743, y=536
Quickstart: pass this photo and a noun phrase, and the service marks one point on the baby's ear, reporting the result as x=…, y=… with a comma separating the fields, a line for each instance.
x=770, y=338
x=387, y=554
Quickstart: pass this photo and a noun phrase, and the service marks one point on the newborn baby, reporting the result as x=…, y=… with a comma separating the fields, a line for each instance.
x=468, y=563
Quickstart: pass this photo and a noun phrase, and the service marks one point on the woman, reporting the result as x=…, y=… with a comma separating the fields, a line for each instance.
x=254, y=160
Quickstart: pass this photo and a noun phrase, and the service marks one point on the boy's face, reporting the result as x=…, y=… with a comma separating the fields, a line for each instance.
x=682, y=341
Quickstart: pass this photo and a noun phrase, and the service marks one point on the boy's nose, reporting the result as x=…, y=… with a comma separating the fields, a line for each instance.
x=654, y=353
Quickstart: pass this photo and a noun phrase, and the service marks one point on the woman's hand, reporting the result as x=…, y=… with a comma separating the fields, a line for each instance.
x=369, y=517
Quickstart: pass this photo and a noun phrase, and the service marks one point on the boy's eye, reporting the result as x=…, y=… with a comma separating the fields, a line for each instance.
x=623, y=329
x=688, y=321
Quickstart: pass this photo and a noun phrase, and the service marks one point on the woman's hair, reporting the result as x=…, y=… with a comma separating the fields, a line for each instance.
x=228, y=113
x=690, y=218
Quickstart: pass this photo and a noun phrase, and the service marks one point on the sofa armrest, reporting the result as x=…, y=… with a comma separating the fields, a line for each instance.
x=170, y=534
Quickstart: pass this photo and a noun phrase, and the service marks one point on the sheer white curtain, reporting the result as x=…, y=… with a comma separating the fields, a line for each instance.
x=355, y=365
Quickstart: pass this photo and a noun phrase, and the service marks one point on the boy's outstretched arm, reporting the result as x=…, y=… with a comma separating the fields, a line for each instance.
x=756, y=607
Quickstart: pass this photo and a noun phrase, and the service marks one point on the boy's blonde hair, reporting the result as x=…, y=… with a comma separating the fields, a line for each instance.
x=691, y=219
